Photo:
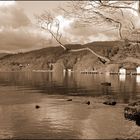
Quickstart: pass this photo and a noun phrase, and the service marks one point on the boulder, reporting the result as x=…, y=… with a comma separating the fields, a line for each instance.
x=88, y=102
x=69, y=99
x=106, y=84
x=132, y=111
x=37, y=106
x=138, y=122
x=110, y=102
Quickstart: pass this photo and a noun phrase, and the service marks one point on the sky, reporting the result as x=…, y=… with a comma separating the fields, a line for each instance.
x=19, y=30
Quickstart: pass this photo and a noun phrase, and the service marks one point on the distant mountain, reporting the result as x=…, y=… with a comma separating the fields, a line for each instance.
x=103, y=43
x=117, y=51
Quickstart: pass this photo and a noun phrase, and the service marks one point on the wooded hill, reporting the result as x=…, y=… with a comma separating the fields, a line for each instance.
x=117, y=51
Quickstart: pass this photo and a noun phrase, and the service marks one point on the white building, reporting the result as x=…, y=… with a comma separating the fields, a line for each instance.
x=64, y=70
x=138, y=70
x=69, y=70
x=122, y=71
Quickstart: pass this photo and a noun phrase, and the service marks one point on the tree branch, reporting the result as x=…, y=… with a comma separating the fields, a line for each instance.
x=46, y=22
x=88, y=49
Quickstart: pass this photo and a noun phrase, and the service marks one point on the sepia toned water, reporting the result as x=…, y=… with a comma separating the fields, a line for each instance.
x=58, y=118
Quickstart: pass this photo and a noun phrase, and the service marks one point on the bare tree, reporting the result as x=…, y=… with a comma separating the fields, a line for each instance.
x=49, y=23
x=98, y=12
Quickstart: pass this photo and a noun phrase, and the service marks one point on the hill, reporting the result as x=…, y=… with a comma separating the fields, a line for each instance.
x=3, y=54
x=117, y=51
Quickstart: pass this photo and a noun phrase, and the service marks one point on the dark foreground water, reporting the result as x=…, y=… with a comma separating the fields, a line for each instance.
x=58, y=118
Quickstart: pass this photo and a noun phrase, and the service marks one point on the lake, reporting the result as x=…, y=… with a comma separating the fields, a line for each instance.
x=58, y=118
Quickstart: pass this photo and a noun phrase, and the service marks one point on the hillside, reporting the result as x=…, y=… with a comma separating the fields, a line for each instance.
x=3, y=54
x=118, y=51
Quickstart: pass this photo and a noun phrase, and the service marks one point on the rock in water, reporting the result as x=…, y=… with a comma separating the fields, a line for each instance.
x=88, y=102
x=138, y=122
x=106, y=84
x=69, y=99
x=37, y=106
x=110, y=102
x=132, y=111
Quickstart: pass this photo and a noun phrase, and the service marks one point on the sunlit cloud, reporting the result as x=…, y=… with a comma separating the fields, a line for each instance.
x=136, y=6
x=17, y=18
x=16, y=30
x=7, y=3
x=64, y=23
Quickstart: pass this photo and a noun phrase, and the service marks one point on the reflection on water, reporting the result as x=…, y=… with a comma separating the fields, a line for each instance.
x=123, y=87
x=57, y=118
x=138, y=79
x=122, y=77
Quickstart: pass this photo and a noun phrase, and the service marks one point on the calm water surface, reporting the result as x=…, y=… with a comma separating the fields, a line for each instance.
x=59, y=119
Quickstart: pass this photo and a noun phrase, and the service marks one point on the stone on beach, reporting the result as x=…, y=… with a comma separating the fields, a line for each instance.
x=88, y=102
x=132, y=111
x=110, y=102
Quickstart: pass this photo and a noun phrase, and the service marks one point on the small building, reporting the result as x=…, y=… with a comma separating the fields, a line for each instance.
x=64, y=70
x=138, y=70
x=69, y=70
x=20, y=66
x=122, y=71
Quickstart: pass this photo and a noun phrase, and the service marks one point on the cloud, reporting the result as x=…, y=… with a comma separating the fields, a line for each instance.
x=7, y=3
x=73, y=32
x=17, y=32
x=12, y=16
x=20, y=39
x=87, y=33
x=64, y=22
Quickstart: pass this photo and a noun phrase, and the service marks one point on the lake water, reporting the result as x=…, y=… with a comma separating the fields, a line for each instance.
x=58, y=118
